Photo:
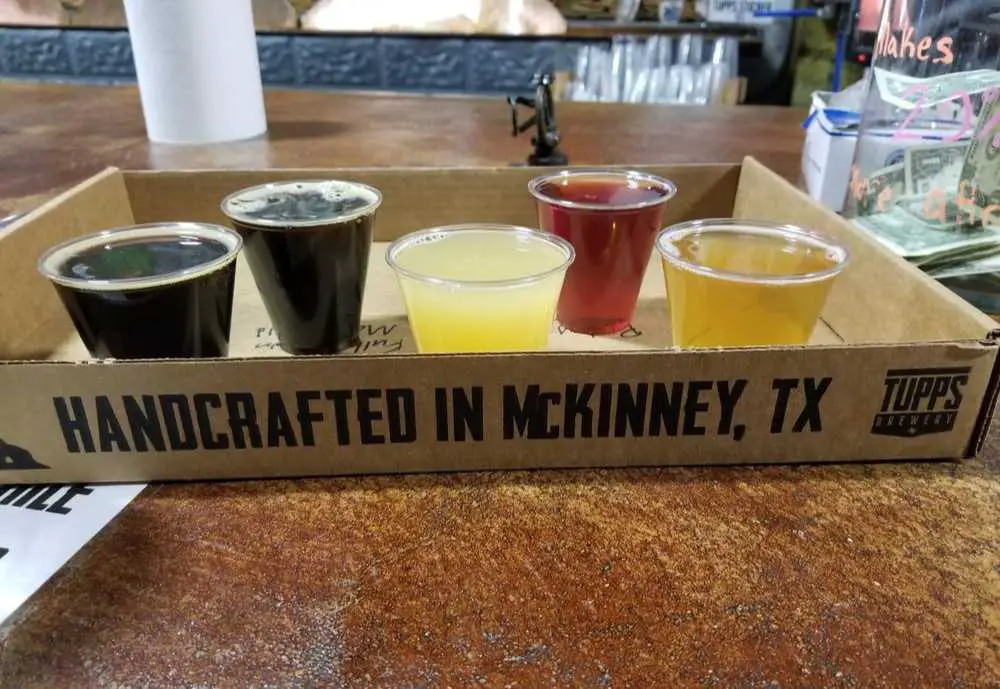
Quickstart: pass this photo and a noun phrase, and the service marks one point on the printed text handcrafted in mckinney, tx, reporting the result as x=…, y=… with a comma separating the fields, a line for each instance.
x=376, y=416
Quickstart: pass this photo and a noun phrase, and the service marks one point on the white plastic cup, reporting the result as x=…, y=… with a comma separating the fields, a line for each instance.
x=198, y=70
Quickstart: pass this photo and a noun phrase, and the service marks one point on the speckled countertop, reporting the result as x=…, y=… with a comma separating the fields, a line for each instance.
x=848, y=576
x=860, y=576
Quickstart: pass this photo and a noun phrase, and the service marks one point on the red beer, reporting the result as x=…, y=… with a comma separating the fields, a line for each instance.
x=611, y=218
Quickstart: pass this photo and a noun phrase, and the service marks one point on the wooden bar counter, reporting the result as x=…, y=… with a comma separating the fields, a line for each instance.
x=816, y=576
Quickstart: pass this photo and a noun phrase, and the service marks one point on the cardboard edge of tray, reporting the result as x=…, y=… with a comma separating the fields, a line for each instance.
x=977, y=438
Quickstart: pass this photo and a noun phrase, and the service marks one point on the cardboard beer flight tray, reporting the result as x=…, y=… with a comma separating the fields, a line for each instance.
x=898, y=368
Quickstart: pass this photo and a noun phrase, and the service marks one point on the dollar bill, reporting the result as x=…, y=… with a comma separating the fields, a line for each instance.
x=981, y=266
x=937, y=166
x=882, y=188
x=955, y=257
x=912, y=238
x=906, y=92
x=946, y=214
x=981, y=166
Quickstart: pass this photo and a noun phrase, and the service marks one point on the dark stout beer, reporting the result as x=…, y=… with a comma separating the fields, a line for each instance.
x=151, y=291
x=308, y=243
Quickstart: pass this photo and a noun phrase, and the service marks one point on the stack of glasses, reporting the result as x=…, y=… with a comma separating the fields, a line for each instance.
x=689, y=70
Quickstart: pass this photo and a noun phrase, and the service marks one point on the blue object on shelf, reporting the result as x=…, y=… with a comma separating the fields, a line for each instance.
x=788, y=14
x=838, y=60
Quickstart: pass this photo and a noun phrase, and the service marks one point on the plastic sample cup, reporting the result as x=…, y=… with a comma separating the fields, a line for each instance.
x=149, y=291
x=308, y=244
x=480, y=288
x=733, y=283
x=611, y=218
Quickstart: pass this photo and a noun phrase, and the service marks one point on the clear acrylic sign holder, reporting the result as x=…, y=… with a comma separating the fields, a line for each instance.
x=926, y=174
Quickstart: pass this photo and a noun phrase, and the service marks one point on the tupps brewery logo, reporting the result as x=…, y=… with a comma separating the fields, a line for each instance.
x=17, y=458
x=920, y=401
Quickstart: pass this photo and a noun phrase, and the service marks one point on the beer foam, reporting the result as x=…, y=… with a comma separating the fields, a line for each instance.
x=301, y=203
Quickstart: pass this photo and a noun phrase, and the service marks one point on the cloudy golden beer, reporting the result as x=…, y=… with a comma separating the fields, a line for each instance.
x=740, y=283
x=480, y=288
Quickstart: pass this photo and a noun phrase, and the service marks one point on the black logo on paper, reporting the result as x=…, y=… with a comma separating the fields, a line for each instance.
x=920, y=402
x=17, y=458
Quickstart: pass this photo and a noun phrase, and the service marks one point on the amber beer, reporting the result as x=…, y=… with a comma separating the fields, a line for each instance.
x=733, y=283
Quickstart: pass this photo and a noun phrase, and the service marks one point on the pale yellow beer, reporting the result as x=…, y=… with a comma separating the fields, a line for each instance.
x=480, y=288
x=734, y=283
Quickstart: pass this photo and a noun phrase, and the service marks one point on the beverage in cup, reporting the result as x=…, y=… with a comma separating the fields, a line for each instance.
x=149, y=291
x=611, y=218
x=480, y=288
x=737, y=283
x=307, y=244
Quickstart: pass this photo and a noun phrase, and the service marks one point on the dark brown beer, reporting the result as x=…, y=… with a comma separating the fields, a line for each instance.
x=308, y=244
x=151, y=291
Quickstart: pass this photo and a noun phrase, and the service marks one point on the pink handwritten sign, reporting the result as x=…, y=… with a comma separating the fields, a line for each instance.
x=968, y=116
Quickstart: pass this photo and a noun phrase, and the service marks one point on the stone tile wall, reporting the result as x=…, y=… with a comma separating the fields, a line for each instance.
x=467, y=64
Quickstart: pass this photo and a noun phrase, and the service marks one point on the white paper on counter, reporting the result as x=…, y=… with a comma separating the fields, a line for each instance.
x=42, y=526
x=198, y=70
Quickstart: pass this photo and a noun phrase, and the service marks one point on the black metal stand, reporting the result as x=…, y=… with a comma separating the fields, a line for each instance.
x=546, y=139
